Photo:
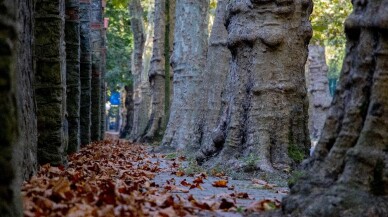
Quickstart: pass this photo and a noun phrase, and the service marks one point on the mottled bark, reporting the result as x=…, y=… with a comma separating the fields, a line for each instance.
x=73, y=83
x=27, y=149
x=138, y=29
x=348, y=173
x=50, y=81
x=215, y=74
x=188, y=61
x=317, y=89
x=10, y=203
x=96, y=41
x=85, y=71
x=127, y=111
x=265, y=115
x=159, y=69
x=103, y=84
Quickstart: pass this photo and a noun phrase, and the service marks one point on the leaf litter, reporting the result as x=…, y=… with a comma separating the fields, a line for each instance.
x=115, y=178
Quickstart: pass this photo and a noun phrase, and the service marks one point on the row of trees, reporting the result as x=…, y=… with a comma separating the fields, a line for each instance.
x=257, y=106
x=52, y=86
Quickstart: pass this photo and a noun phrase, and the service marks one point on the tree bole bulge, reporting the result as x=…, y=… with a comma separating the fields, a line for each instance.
x=266, y=109
x=348, y=172
x=188, y=62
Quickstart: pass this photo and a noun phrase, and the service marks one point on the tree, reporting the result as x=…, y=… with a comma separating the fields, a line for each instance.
x=159, y=73
x=347, y=175
x=215, y=74
x=96, y=42
x=265, y=113
x=73, y=83
x=137, y=26
x=25, y=152
x=85, y=72
x=9, y=193
x=318, y=90
x=50, y=81
x=188, y=62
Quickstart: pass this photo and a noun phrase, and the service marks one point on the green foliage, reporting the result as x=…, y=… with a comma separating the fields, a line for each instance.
x=119, y=42
x=328, y=20
x=295, y=153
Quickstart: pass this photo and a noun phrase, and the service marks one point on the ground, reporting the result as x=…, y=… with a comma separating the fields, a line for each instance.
x=117, y=178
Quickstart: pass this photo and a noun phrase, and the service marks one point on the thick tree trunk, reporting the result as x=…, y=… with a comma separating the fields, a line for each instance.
x=96, y=28
x=50, y=81
x=10, y=203
x=27, y=149
x=265, y=116
x=188, y=62
x=159, y=69
x=73, y=83
x=138, y=29
x=348, y=173
x=85, y=71
x=215, y=74
x=318, y=90
x=127, y=111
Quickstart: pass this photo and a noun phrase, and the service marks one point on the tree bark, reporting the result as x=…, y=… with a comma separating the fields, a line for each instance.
x=10, y=203
x=96, y=41
x=137, y=26
x=73, y=83
x=265, y=115
x=26, y=150
x=50, y=81
x=128, y=112
x=318, y=90
x=347, y=174
x=188, y=61
x=85, y=72
x=159, y=69
x=103, y=84
x=215, y=74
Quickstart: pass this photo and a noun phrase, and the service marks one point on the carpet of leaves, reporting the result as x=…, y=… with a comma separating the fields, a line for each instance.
x=115, y=178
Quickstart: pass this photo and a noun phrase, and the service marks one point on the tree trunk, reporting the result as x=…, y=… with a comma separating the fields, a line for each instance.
x=215, y=74
x=318, y=90
x=85, y=72
x=50, y=81
x=96, y=27
x=103, y=84
x=347, y=174
x=188, y=62
x=27, y=145
x=10, y=203
x=264, y=121
x=127, y=111
x=73, y=83
x=137, y=26
x=159, y=69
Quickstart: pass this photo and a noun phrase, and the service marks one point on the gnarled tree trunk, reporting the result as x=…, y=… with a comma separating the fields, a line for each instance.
x=96, y=41
x=50, y=81
x=160, y=68
x=265, y=116
x=188, y=62
x=85, y=71
x=137, y=26
x=10, y=203
x=348, y=173
x=215, y=74
x=73, y=83
x=318, y=90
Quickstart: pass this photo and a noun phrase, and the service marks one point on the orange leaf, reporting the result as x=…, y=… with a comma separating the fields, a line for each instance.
x=220, y=183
